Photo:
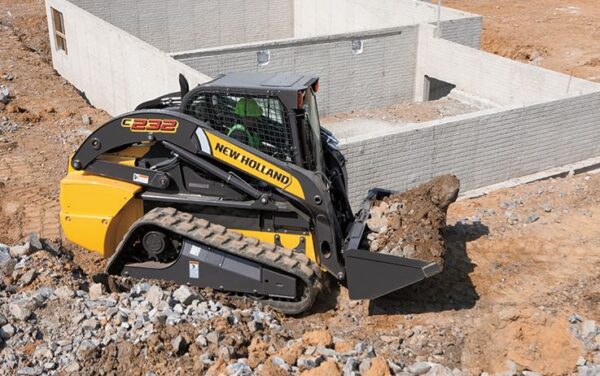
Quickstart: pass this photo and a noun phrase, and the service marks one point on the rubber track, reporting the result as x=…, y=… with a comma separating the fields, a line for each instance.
x=219, y=237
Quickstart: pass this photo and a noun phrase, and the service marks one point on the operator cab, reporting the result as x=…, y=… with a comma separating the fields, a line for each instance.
x=276, y=114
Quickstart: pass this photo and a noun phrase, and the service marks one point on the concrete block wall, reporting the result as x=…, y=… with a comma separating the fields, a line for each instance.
x=381, y=75
x=494, y=78
x=115, y=70
x=465, y=31
x=178, y=25
x=481, y=149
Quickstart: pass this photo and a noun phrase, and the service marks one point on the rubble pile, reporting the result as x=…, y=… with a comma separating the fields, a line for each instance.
x=411, y=223
x=55, y=319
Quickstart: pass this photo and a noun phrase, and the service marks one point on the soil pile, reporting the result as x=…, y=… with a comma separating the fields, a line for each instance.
x=410, y=224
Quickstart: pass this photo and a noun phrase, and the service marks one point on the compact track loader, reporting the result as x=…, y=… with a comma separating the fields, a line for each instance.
x=232, y=185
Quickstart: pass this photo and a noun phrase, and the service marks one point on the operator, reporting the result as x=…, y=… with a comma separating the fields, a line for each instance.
x=249, y=111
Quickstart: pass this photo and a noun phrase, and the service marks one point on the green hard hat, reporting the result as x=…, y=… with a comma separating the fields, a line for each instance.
x=247, y=107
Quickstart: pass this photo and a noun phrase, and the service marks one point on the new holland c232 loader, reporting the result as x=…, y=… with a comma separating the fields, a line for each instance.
x=232, y=185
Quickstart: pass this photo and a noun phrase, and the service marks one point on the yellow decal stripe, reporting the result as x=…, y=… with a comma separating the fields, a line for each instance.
x=253, y=165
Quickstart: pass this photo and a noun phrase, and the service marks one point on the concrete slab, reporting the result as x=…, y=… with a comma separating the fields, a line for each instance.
x=358, y=127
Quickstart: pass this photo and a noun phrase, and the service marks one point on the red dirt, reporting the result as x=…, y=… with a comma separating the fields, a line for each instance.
x=555, y=34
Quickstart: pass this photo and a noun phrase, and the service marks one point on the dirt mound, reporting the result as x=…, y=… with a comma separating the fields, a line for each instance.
x=410, y=224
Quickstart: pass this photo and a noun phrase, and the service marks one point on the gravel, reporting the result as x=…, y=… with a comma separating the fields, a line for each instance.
x=74, y=329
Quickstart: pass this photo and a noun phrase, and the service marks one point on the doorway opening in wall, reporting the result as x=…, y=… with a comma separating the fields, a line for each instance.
x=59, y=30
x=436, y=89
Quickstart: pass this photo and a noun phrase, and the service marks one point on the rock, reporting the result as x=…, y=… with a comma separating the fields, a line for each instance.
x=328, y=353
x=254, y=326
x=4, y=95
x=509, y=314
x=3, y=320
x=184, y=295
x=155, y=295
x=395, y=368
x=86, y=350
x=49, y=366
x=30, y=371
x=328, y=368
x=28, y=277
x=532, y=218
x=72, y=367
x=214, y=337
x=309, y=362
x=547, y=208
x=364, y=366
x=7, y=331
x=89, y=324
x=44, y=293
x=96, y=291
x=225, y=352
x=179, y=345
x=35, y=243
x=588, y=329
x=201, y=341
x=63, y=292
x=318, y=338
x=7, y=263
x=280, y=363
x=379, y=367
x=20, y=310
x=530, y=373
x=419, y=368
x=512, y=218
x=581, y=361
x=78, y=318
x=239, y=369
x=574, y=318
x=86, y=119
x=206, y=358
x=351, y=365
x=20, y=250
x=592, y=370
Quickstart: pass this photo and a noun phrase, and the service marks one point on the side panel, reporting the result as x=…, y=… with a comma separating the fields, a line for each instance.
x=291, y=241
x=96, y=212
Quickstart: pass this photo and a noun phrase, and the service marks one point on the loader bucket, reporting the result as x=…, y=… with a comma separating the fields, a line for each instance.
x=370, y=275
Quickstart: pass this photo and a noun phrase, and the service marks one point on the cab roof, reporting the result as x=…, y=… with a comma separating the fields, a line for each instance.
x=264, y=81
x=285, y=86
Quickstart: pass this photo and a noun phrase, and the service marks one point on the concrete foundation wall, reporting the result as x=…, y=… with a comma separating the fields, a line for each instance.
x=177, y=25
x=326, y=17
x=379, y=76
x=465, y=31
x=481, y=149
x=497, y=79
x=116, y=71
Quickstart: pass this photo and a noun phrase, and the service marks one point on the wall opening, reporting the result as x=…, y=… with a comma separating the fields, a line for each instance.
x=436, y=89
x=59, y=30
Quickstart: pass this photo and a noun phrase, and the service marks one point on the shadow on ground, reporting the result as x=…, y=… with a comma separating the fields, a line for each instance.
x=450, y=290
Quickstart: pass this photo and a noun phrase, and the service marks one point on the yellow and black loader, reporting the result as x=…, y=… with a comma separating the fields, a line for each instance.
x=232, y=185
